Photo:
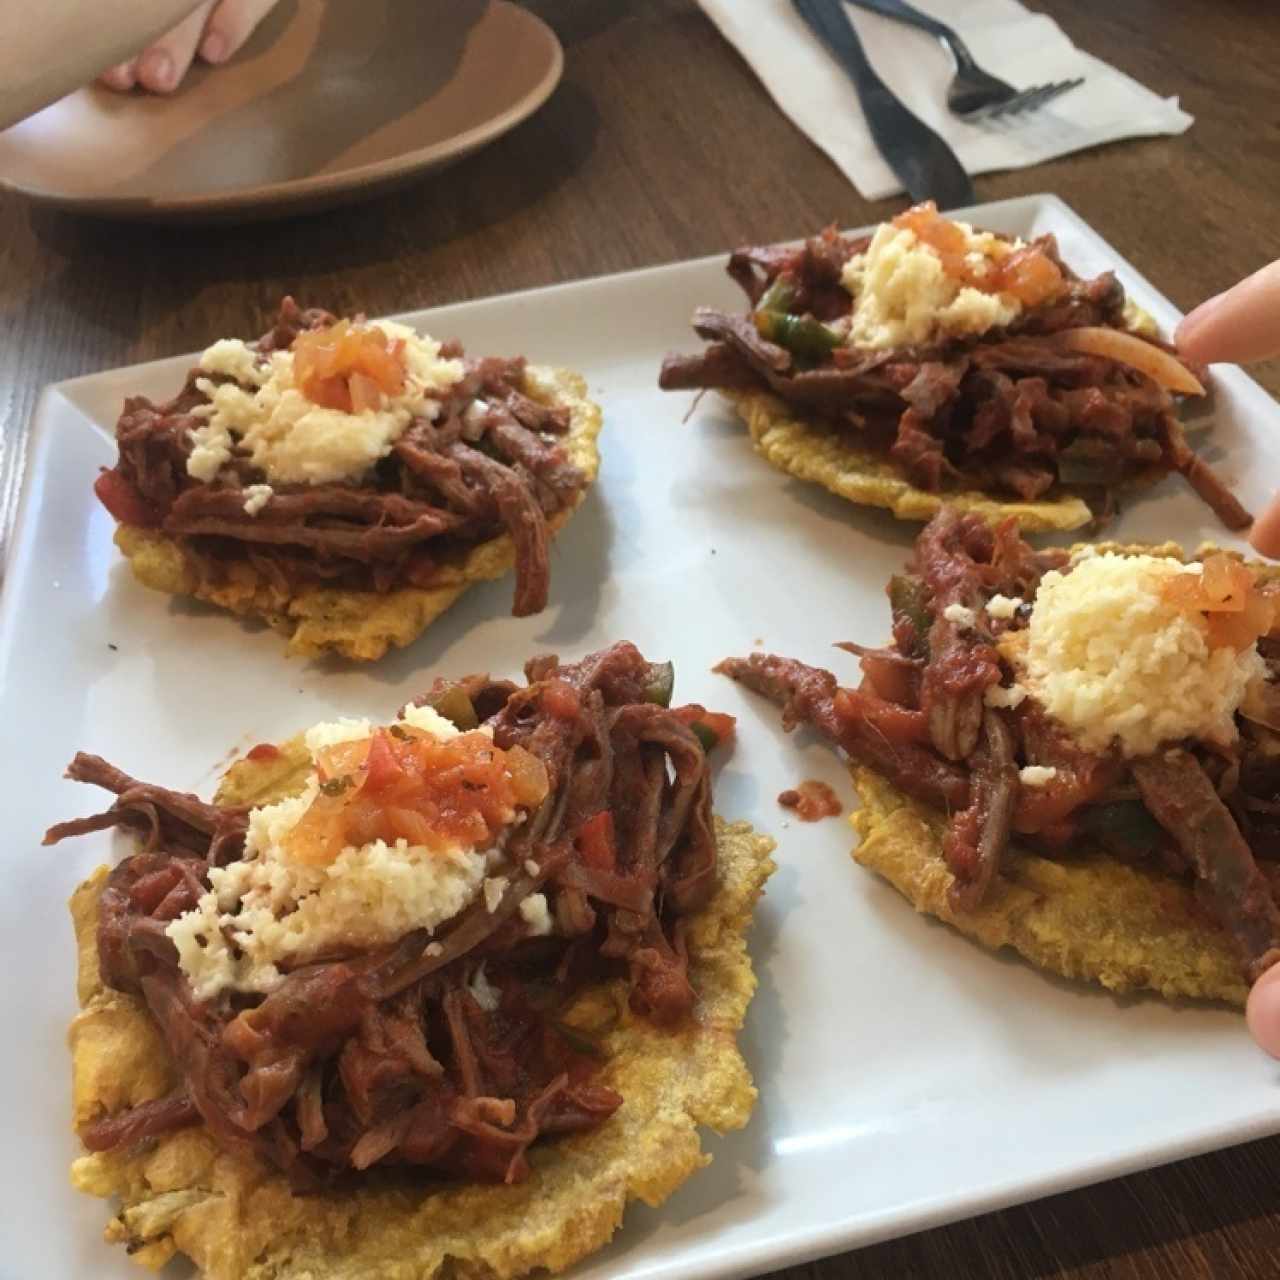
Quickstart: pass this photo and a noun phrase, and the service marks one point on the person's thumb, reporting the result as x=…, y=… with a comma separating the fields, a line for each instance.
x=1240, y=325
x=1263, y=1011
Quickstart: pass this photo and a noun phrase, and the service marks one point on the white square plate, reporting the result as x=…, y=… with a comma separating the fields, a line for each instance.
x=906, y=1077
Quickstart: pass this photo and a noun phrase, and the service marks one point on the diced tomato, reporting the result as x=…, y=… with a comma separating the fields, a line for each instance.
x=263, y=751
x=404, y=784
x=596, y=843
x=365, y=393
x=382, y=769
x=122, y=499
x=348, y=367
x=1226, y=595
x=715, y=725
x=1028, y=273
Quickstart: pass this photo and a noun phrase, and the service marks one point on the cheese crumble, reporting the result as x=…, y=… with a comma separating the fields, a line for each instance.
x=256, y=496
x=999, y=696
x=1115, y=661
x=270, y=910
x=1037, y=775
x=904, y=297
x=1004, y=607
x=960, y=614
x=262, y=415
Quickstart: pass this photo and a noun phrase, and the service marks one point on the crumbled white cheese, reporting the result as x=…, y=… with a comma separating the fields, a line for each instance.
x=210, y=448
x=270, y=909
x=960, y=614
x=293, y=441
x=485, y=994
x=333, y=732
x=433, y=949
x=256, y=496
x=903, y=296
x=494, y=888
x=233, y=358
x=1037, y=775
x=1003, y=606
x=1114, y=660
x=429, y=720
x=999, y=696
x=532, y=868
x=536, y=916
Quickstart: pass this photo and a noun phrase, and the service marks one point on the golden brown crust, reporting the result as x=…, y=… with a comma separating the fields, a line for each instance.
x=810, y=451
x=1091, y=918
x=239, y=1221
x=362, y=625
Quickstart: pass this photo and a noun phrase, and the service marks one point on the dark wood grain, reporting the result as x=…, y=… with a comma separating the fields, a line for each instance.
x=661, y=145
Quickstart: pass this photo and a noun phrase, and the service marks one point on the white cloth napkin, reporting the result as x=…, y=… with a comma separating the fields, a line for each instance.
x=1022, y=48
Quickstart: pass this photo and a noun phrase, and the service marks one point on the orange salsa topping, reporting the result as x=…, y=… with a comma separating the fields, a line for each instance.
x=402, y=783
x=348, y=367
x=1235, y=608
x=1027, y=274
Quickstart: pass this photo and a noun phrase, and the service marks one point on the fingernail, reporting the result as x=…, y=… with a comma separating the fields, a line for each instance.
x=1263, y=1012
x=214, y=48
x=157, y=71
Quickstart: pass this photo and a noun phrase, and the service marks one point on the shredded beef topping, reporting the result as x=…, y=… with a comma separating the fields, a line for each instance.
x=389, y=1056
x=930, y=717
x=1009, y=411
x=492, y=462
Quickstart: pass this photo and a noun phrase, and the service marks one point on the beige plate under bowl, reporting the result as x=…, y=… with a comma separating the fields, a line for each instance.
x=330, y=101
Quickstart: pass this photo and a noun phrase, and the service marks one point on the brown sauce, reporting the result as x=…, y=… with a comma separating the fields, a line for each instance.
x=811, y=801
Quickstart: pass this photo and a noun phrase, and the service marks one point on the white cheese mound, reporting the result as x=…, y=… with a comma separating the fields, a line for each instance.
x=1003, y=606
x=269, y=909
x=264, y=417
x=960, y=614
x=903, y=296
x=1113, y=660
x=1037, y=775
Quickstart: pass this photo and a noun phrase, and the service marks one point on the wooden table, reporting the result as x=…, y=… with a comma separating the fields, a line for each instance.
x=661, y=145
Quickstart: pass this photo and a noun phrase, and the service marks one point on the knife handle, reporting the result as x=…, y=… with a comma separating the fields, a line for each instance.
x=833, y=30
x=905, y=13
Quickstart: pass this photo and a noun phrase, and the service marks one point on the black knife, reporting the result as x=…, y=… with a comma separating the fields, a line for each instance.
x=922, y=161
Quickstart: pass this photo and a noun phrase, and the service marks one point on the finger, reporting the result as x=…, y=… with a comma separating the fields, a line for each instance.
x=1240, y=325
x=230, y=25
x=1263, y=1011
x=1264, y=536
x=122, y=77
x=164, y=63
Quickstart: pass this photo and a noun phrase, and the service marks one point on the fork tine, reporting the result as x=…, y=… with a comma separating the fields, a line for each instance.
x=1027, y=99
x=1035, y=97
x=1057, y=90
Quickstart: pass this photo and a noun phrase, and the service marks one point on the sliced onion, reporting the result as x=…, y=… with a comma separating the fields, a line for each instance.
x=1137, y=353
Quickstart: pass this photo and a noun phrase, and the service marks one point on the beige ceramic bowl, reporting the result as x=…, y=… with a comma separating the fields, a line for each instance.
x=330, y=101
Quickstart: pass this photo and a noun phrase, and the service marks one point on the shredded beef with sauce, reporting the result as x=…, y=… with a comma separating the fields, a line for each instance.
x=1010, y=411
x=388, y=1057
x=491, y=462
x=1210, y=815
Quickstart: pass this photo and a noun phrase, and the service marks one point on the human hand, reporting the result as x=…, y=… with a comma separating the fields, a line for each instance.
x=1240, y=325
x=213, y=32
